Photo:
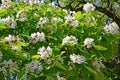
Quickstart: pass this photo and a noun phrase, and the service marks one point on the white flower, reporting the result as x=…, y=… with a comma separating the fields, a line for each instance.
x=15, y=48
x=7, y=39
x=55, y=19
x=42, y=22
x=10, y=22
x=80, y=59
x=73, y=58
x=11, y=38
x=21, y=15
x=38, y=37
x=9, y=67
x=88, y=7
x=98, y=63
x=75, y=23
x=34, y=67
x=89, y=42
x=6, y=3
x=69, y=39
x=111, y=28
x=77, y=58
x=30, y=2
x=69, y=18
x=44, y=52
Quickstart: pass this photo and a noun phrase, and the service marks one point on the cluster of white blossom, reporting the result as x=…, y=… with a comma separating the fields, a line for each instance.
x=42, y=22
x=69, y=39
x=9, y=21
x=89, y=42
x=77, y=58
x=6, y=3
x=15, y=48
x=34, y=67
x=30, y=2
x=44, y=52
x=112, y=28
x=98, y=63
x=75, y=23
x=70, y=18
x=9, y=67
x=55, y=19
x=38, y=37
x=88, y=7
x=21, y=15
x=11, y=38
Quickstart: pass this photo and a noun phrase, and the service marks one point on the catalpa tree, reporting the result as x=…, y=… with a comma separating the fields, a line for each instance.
x=42, y=41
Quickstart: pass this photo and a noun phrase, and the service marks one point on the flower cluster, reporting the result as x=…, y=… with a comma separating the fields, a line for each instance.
x=75, y=23
x=44, y=52
x=112, y=28
x=30, y=2
x=89, y=42
x=70, y=18
x=88, y=7
x=38, y=37
x=6, y=3
x=77, y=58
x=15, y=48
x=42, y=22
x=11, y=38
x=9, y=67
x=98, y=63
x=55, y=19
x=69, y=39
x=9, y=21
x=34, y=67
x=21, y=15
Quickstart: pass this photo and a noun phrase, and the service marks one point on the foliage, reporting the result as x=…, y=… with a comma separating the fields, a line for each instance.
x=24, y=45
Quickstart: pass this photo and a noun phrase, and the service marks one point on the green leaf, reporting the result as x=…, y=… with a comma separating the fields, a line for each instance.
x=78, y=15
x=90, y=70
x=51, y=37
x=99, y=47
x=36, y=57
x=2, y=25
x=59, y=65
x=22, y=44
x=99, y=76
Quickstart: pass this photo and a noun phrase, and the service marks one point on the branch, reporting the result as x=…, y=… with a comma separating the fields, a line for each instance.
x=109, y=14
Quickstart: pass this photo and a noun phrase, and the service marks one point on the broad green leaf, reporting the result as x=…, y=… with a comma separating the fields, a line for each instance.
x=78, y=15
x=51, y=37
x=22, y=44
x=63, y=52
x=90, y=70
x=59, y=65
x=99, y=47
x=2, y=25
x=99, y=76
x=36, y=57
